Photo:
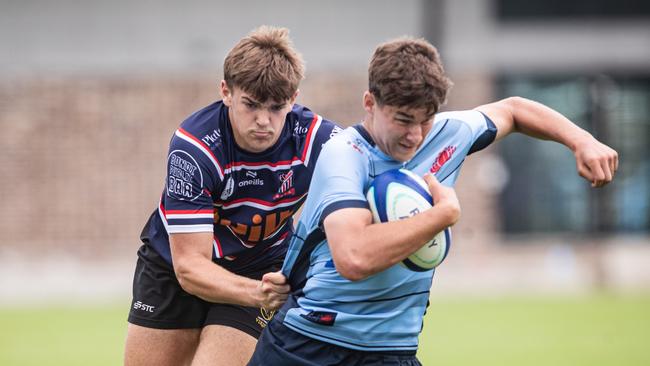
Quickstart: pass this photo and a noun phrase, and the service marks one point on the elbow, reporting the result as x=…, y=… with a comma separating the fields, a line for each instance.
x=353, y=268
x=183, y=274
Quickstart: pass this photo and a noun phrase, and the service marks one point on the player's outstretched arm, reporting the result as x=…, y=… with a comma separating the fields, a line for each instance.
x=198, y=275
x=361, y=248
x=595, y=161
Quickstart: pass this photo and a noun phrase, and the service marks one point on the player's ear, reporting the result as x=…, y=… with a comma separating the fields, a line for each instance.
x=226, y=94
x=368, y=101
x=294, y=96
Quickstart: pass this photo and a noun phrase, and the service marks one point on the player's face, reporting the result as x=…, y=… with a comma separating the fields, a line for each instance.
x=397, y=131
x=256, y=126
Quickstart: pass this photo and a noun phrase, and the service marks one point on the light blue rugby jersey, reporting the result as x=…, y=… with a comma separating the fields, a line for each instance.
x=384, y=311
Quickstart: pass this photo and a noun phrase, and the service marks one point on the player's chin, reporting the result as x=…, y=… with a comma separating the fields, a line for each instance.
x=405, y=154
x=261, y=143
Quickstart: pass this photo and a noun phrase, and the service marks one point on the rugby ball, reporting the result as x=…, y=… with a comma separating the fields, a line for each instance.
x=397, y=194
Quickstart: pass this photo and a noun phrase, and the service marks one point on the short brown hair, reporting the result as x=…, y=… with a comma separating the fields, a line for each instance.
x=408, y=72
x=265, y=64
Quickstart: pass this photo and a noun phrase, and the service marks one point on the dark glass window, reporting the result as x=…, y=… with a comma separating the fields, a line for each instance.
x=571, y=9
x=544, y=192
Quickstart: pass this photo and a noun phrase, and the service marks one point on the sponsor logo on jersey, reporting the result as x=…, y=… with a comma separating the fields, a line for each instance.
x=286, y=186
x=442, y=158
x=335, y=131
x=320, y=317
x=251, y=174
x=230, y=187
x=139, y=305
x=251, y=182
x=260, y=226
x=183, y=173
x=212, y=137
x=300, y=130
x=265, y=317
x=355, y=145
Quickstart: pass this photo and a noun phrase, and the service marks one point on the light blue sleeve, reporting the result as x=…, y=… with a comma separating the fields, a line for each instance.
x=338, y=182
x=454, y=136
x=482, y=130
x=340, y=177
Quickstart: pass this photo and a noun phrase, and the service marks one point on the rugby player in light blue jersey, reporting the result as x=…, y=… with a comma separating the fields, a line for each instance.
x=351, y=302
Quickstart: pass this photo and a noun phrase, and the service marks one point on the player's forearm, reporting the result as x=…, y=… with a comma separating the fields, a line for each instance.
x=539, y=121
x=373, y=248
x=209, y=281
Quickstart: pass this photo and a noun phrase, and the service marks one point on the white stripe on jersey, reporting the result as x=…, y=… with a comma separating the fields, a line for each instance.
x=266, y=206
x=190, y=216
x=162, y=216
x=217, y=249
x=207, y=153
x=263, y=166
x=200, y=228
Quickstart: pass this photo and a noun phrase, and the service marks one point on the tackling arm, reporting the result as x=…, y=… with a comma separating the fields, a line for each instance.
x=198, y=275
x=595, y=161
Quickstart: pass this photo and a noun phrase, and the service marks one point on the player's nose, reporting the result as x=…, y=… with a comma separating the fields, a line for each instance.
x=414, y=134
x=263, y=118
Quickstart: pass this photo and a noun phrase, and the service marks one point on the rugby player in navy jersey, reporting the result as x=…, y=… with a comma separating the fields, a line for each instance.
x=205, y=283
x=352, y=303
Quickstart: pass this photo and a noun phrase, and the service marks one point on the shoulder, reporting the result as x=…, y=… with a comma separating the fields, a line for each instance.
x=200, y=136
x=467, y=118
x=205, y=125
x=472, y=127
x=303, y=120
x=346, y=146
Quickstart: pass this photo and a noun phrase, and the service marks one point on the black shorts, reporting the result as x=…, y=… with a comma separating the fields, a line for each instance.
x=160, y=302
x=280, y=345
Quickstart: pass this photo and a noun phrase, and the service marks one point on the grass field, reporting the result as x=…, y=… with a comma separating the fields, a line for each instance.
x=595, y=330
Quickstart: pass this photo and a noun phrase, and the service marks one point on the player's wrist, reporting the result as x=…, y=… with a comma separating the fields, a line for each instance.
x=579, y=139
x=448, y=211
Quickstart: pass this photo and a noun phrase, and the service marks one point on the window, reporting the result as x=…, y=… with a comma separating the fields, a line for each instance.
x=544, y=192
x=571, y=9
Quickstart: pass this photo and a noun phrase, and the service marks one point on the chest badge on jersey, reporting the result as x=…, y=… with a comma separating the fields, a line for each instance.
x=286, y=186
x=442, y=158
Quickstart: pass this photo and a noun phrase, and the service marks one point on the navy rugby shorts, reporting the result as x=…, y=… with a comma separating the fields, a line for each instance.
x=159, y=301
x=280, y=345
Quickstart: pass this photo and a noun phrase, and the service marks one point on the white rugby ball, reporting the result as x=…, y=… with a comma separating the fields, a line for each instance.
x=397, y=194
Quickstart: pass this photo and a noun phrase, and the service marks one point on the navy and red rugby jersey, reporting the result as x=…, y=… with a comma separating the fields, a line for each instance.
x=247, y=199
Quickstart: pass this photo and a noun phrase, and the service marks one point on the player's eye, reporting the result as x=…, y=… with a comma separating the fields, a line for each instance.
x=277, y=108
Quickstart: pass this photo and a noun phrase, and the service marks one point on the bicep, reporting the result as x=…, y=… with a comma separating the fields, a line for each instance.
x=190, y=246
x=500, y=113
x=344, y=225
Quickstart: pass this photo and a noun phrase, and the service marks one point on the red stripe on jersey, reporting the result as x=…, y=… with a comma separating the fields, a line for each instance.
x=262, y=202
x=218, y=246
x=204, y=146
x=308, y=138
x=188, y=212
x=259, y=163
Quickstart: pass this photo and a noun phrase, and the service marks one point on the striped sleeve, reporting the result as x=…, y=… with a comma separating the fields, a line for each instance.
x=192, y=172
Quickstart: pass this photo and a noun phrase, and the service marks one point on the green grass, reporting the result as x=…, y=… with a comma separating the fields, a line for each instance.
x=594, y=330
x=63, y=335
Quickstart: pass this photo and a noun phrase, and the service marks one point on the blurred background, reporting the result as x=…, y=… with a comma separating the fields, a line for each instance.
x=91, y=92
